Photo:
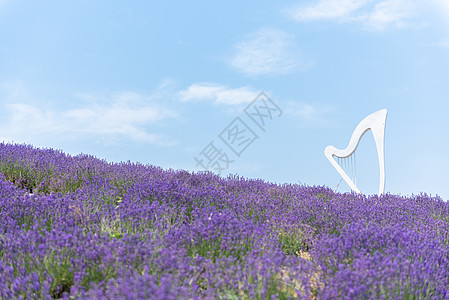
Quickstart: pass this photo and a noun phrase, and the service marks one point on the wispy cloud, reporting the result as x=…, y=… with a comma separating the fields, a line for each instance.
x=218, y=94
x=309, y=114
x=268, y=51
x=443, y=8
x=371, y=14
x=327, y=9
x=444, y=43
x=444, y=4
x=392, y=13
x=115, y=118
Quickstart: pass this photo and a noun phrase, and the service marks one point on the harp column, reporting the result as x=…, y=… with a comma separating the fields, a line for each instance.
x=374, y=122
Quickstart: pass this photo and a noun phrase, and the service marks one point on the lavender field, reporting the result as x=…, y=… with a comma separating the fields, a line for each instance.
x=78, y=227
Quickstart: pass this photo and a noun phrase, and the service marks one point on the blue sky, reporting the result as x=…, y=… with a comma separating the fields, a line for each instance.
x=157, y=83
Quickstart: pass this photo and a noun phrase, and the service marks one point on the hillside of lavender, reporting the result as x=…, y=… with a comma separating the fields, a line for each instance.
x=78, y=227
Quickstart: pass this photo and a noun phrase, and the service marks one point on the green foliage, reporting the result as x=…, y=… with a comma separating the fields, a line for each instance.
x=266, y=287
x=212, y=249
x=112, y=227
x=24, y=176
x=292, y=241
x=61, y=270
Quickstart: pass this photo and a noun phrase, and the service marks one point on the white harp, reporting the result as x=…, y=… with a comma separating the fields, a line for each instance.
x=374, y=122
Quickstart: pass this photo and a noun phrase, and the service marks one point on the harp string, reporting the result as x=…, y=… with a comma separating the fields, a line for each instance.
x=349, y=165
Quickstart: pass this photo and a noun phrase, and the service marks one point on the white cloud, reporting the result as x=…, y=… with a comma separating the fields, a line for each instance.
x=309, y=114
x=392, y=13
x=444, y=4
x=327, y=9
x=444, y=43
x=443, y=9
x=268, y=51
x=218, y=94
x=371, y=14
x=120, y=117
x=12, y=90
